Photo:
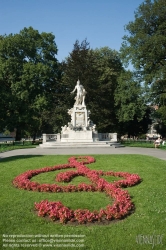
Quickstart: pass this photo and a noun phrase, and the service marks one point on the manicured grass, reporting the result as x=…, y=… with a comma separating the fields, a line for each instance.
x=141, y=144
x=17, y=145
x=8, y=148
x=148, y=219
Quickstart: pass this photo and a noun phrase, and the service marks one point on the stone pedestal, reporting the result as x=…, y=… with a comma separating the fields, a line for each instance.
x=77, y=136
x=80, y=129
x=79, y=116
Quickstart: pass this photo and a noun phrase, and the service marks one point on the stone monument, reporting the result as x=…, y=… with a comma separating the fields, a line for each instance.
x=80, y=128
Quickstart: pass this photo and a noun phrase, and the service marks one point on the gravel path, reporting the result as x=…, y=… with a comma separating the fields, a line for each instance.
x=161, y=154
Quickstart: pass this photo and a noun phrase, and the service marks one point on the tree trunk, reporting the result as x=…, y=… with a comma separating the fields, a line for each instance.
x=18, y=134
x=34, y=136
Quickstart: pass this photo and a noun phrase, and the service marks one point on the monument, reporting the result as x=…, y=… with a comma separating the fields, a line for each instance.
x=80, y=128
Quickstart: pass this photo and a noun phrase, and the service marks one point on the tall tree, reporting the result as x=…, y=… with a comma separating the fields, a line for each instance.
x=132, y=111
x=78, y=65
x=29, y=79
x=107, y=67
x=97, y=70
x=145, y=48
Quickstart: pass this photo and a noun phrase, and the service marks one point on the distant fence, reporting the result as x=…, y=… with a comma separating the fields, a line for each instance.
x=6, y=139
x=18, y=143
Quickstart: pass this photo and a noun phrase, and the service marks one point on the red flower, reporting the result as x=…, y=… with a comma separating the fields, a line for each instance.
x=57, y=211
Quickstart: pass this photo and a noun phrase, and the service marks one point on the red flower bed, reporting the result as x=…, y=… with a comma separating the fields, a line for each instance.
x=57, y=211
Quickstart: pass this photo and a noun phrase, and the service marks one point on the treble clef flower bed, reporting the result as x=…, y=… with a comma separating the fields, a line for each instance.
x=122, y=204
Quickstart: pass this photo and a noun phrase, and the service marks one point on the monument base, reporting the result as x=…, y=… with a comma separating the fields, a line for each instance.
x=77, y=136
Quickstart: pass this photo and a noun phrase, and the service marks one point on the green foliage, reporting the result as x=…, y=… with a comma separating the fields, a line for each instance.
x=28, y=76
x=132, y=112
x=98, y=71
x=35, y=88
x=144, y=47
x=107, y=67
x=6, y=132
x=129, y=98
x=160, y=117
x=161, y=112
x=145, y=44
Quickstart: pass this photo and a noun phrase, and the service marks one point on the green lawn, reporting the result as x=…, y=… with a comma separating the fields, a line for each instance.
x=141, y=144
x=148, y=222
x=17, y=145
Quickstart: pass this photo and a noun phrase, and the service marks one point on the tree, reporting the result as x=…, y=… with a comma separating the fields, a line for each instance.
x=79, y=65
x=107, y=67
x=159, y=88
x=29, y=79
x=97, y=70
x=145, y=48
x=159, y=116
x=129, y=97
x=132, y=111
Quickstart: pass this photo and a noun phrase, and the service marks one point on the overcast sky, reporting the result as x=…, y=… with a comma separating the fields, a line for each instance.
x=100, y=21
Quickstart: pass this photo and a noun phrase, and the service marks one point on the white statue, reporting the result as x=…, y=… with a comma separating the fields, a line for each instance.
x=64, y=128
x=80, y=97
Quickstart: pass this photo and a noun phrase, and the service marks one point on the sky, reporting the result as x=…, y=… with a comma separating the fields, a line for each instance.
x=101, y=22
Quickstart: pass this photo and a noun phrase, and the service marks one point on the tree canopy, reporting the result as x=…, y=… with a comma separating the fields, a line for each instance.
x=145, y=48
x=132, y=111
x=28, y=78
x=98, y=71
